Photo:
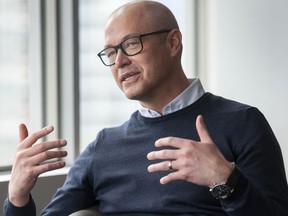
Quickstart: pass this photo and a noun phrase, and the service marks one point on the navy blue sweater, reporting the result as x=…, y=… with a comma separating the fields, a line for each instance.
x=112, y=171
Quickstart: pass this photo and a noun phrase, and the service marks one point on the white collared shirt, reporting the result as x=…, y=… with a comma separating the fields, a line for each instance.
x=187, y=97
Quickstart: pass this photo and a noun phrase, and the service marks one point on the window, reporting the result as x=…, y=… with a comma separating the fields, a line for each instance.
x=16, y=80
x=102, y=104
x=14, y=74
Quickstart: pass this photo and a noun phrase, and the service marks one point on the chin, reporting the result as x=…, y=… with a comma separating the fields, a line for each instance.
x=131, y=95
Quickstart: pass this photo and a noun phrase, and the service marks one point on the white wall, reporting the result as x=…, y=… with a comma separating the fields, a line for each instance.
x=245, y=56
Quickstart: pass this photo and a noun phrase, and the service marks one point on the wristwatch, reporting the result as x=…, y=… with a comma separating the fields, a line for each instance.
x=224, y=190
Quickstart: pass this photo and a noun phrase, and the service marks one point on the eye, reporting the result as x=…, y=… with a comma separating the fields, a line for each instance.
x=131, y=43
x=110, y=52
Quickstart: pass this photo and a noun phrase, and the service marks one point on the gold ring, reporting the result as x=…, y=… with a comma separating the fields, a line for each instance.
x=170, y=165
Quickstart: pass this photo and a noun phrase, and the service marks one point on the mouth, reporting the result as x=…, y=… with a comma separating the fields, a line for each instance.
x=128, y=76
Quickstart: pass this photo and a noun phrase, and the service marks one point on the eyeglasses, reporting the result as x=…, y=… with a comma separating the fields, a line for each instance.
x=130, y=47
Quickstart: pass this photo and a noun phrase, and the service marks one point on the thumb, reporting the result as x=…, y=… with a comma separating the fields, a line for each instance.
x=202, y=130
x=23, y=132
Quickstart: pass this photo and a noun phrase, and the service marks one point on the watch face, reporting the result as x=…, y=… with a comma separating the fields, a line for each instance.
x=221, y=191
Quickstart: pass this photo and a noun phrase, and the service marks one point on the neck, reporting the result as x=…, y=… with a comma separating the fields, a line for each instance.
x=166, y=94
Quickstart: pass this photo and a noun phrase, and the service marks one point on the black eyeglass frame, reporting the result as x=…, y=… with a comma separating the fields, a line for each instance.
x=119, y=46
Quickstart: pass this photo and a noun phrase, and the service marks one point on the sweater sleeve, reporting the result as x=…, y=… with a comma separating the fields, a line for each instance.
x=77, y=192
x=11, y=210
x=262, y=188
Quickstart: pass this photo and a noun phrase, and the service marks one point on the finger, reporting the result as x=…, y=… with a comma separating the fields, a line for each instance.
x=45, y=146
x=23, y=132
x=31, y=154
x=202, y=130
x=162, y=154
x=170, y=177
x=162, y=166
x=171, y=141
x=38, y=170
x=47, y=155
x=32, y=139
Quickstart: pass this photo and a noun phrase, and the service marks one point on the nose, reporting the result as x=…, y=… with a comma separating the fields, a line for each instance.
x=121, y=59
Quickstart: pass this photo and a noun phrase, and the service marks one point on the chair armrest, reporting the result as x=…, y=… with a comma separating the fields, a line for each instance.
x=92, y=211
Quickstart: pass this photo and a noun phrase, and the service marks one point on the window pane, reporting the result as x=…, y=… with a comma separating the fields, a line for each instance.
x=13, y=74
x=102, y=104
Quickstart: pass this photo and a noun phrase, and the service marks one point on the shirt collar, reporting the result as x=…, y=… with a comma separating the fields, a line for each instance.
x=191, y=94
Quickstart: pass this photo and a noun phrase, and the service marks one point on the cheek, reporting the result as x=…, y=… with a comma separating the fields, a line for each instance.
x=155, y=69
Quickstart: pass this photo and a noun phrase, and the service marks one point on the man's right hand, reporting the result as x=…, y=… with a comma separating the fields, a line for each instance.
x=29, y=163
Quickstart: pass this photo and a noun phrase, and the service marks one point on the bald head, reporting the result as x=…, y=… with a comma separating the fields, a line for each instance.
x=156, y=65
x=148, y=14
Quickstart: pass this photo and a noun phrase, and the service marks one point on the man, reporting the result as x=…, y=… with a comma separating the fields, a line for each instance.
x=164, y=160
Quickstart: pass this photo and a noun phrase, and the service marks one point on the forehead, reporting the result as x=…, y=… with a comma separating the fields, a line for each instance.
x=120, y=30
x=125, y=23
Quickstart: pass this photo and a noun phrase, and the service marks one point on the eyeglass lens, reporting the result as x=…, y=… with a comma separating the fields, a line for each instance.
x=130, y=47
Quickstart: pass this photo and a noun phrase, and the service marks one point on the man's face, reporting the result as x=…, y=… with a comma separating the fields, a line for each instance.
x=140, y=77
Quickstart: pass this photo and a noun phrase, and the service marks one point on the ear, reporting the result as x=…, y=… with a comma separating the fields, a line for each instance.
x=175, y=42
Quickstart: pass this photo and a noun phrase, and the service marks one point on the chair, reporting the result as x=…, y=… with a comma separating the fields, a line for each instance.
x=92, y=211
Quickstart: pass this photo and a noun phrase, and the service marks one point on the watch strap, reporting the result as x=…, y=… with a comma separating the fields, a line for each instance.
x=225, y=189
x=233, y=178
